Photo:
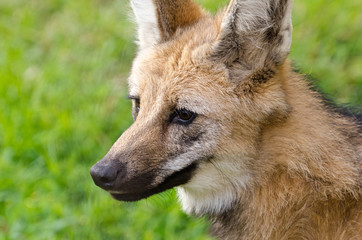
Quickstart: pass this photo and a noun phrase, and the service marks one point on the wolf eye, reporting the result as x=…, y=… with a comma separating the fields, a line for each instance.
x=183, y=116
x=136, y=104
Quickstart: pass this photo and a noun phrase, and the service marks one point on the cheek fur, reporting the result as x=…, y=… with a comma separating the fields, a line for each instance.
x=190, y=144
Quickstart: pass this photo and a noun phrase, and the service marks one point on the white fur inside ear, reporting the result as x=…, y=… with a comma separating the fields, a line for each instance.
x=246, y=14
x=148, y=32
x=287, y=29
x=248, y=22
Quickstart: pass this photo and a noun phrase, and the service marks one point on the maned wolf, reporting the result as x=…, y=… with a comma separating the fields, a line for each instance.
x=219, y=113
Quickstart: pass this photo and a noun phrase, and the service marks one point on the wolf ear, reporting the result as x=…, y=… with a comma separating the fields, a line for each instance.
x=255, y=33
x=158, y=20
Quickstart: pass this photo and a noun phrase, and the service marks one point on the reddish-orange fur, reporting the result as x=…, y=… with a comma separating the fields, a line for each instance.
x=287, y=166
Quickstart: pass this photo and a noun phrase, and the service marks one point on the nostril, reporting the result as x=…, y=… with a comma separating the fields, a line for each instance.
x=104, y=175
x=106, y=179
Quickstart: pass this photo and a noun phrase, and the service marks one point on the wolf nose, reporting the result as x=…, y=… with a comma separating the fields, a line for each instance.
x=104, y=175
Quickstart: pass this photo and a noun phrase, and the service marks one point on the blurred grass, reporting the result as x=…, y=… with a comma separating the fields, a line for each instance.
x=63, y=70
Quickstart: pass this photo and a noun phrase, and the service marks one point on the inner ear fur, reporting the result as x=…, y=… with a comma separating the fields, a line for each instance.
x=158, y=20
x=254, y=34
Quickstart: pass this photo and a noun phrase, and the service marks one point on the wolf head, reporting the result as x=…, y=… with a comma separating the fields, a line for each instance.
x=203, y=89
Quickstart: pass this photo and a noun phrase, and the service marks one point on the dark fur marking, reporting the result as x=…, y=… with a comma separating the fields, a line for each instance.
x=262, y=76
x=343, y=110
x=277, y=13
x=228, y=50
x=175, y=179
x=234, y=48
x=139, y=183
x=190, y=140
x=221, y=226
x=353, y=113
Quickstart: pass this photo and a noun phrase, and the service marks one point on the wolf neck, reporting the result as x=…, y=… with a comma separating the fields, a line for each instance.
x=277, y=211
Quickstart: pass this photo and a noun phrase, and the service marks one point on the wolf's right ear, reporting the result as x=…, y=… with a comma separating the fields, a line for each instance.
x=158, y=20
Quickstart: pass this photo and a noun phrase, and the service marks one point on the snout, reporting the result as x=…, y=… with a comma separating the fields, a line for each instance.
x=105, y=174
x=133, y=170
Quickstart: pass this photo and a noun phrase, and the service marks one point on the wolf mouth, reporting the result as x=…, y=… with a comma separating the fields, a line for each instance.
x=175, y=179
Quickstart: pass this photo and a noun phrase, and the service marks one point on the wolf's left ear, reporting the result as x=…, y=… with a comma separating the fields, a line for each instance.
x=255, y=33
x=158, y=20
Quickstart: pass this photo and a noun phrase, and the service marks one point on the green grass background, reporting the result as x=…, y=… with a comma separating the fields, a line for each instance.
x=63, y=70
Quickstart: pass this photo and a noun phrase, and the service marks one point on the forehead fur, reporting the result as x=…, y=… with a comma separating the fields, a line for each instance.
x=181, y=68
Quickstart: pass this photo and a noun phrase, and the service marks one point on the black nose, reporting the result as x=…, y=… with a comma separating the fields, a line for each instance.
x=104, y=175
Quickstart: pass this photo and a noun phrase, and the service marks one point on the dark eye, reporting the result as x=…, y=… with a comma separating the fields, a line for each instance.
x=136, y=104
x=183, y=116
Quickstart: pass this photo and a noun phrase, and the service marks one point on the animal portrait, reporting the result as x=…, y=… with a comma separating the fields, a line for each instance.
x=221, y=115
